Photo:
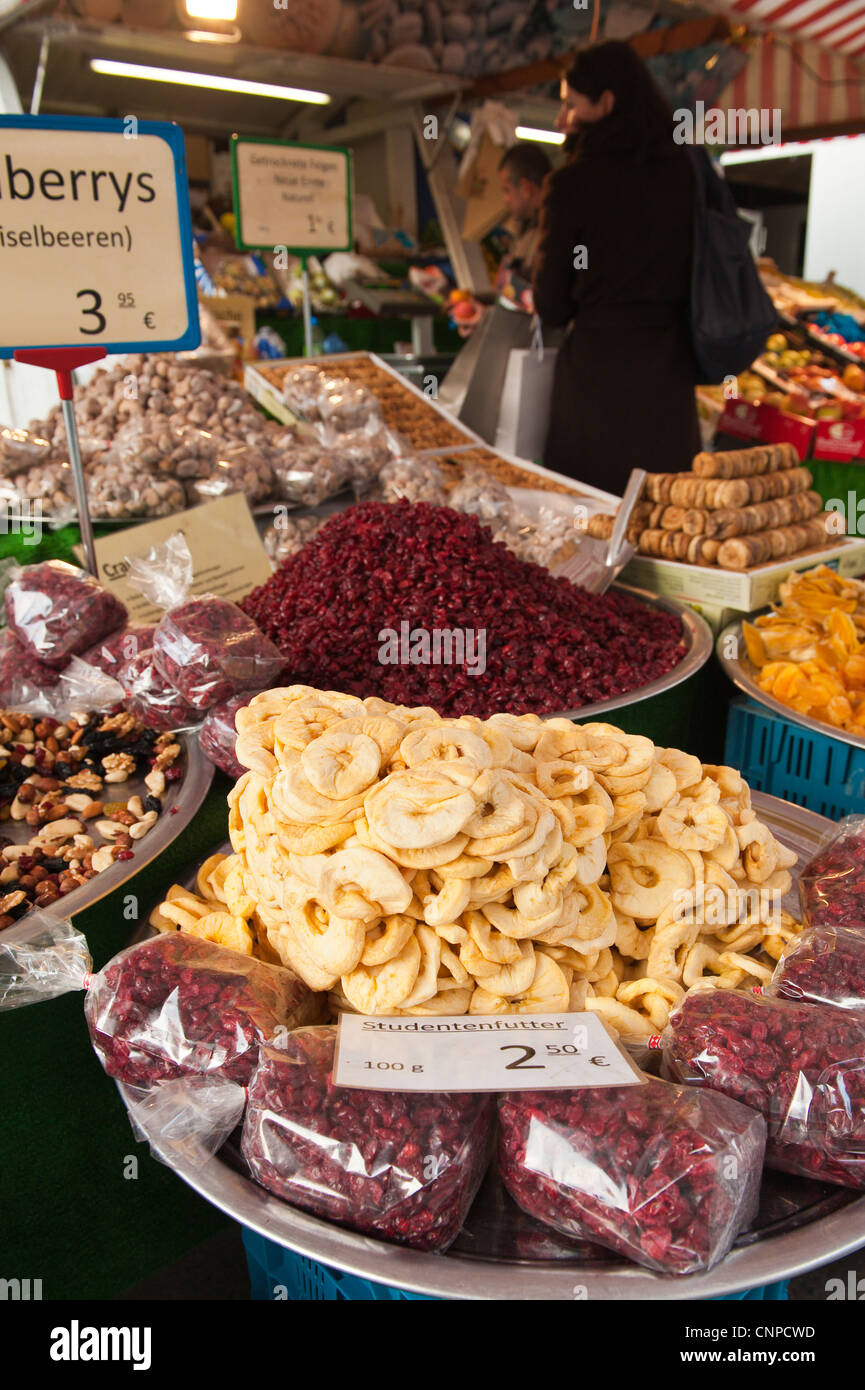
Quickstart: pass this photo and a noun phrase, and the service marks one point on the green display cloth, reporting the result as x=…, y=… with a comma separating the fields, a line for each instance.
x=359, y=334
x=834, y=482
x=71, y=1218
x=53, y=545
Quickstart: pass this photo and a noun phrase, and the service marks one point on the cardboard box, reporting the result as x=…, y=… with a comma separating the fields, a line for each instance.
x=763, y=424
x=842, y=441
x=741, y=590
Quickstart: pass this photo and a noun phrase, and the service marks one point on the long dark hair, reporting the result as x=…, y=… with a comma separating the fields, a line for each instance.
x=640, y=119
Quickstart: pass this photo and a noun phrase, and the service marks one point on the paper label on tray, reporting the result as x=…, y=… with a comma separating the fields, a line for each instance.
x=503, y=1052
x=227, y=555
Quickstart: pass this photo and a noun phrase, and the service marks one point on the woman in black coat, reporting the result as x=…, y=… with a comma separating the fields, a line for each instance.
x=614, y=262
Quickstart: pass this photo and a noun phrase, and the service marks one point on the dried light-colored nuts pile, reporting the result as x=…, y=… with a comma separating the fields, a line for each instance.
x=413, y=864
x=64, y=780
x=148, y=425
x=400, y=407
x=290, y=535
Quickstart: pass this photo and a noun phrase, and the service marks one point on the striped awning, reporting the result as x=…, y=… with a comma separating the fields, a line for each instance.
x=835, y=24
x=815, y=89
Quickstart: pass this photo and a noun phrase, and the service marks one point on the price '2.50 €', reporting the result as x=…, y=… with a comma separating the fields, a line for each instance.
x=499, y=1053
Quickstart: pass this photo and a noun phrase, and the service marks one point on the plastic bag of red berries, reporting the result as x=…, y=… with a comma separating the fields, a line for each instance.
x=802, y=1066
x=826, y=966
x=178, y=1005
x=832, y=883
x=57, y=611
x=204, y=646
x=151, y=698
x=170, y=1007
x=218, y=733
x=404, y=1166
x=662, y=1174
x=124, y=644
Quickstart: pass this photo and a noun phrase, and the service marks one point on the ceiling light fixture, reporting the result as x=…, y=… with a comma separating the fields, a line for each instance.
x=178, y=76
x=544, y=137
x=224, y=11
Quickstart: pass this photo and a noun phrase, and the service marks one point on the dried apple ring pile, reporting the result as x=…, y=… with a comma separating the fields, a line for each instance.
x=412, y=864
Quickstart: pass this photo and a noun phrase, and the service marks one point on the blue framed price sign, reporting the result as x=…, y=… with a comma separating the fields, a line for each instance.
x=297, y=196
x=95, y=236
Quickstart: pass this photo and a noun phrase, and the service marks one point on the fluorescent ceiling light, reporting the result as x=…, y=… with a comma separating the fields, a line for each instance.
x=222, y=10
x=544, y=137
x=182, y=78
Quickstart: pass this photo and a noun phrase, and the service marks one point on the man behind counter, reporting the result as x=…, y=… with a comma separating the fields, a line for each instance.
x=522, y=171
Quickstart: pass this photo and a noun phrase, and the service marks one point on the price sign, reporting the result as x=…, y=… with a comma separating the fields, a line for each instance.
x=502, y=1052
x=297, y=196
x=95, y=236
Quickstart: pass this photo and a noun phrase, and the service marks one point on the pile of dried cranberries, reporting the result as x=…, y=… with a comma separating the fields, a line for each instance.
x=407, y=566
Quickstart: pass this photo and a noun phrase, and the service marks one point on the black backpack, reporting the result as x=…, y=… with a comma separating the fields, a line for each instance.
x=731, y=313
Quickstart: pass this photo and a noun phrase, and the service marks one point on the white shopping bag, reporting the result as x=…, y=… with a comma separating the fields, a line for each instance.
x=524, y=413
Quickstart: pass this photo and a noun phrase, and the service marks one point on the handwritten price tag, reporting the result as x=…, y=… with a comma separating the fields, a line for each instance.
x=298, y=196
x=504, y=1052
x=95, y=236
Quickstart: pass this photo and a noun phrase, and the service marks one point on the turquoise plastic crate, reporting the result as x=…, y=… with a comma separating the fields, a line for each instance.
x=271, y=1266
x=785, y=759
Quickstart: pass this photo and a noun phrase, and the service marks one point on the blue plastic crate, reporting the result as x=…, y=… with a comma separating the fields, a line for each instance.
x=272, y=1267
x=775, y=755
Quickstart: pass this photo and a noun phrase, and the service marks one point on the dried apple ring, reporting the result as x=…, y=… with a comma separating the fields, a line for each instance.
x=379, y=989
x=387, y=939
x=339, y=764
x=693, y=825
x=626, y=1022
x=645, y=877
x=417, y=809
x=224, y=930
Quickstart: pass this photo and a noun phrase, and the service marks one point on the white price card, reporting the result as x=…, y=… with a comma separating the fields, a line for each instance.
x=95, y=235
x=499, y=1052
x=295, y=196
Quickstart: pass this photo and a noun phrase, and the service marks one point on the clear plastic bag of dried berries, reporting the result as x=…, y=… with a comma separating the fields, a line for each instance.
x=22, y=675
x=57, y=610
x=120, y=646
x=151, y=698
x=802, y=1066
x=179, y=1005
x=826, y=966
x=401, y=1166
x=204, y=646
x=832, y=883
x=218, y=733
x=661, y=1174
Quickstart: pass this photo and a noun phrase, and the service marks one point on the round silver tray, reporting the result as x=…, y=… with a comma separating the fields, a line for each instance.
x=698, y=639
x=503, y=1254
x=180, y=801
x=743, y=675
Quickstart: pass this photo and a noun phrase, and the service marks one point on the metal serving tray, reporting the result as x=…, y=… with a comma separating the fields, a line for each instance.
x=503, y=1254
x=744, y=675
